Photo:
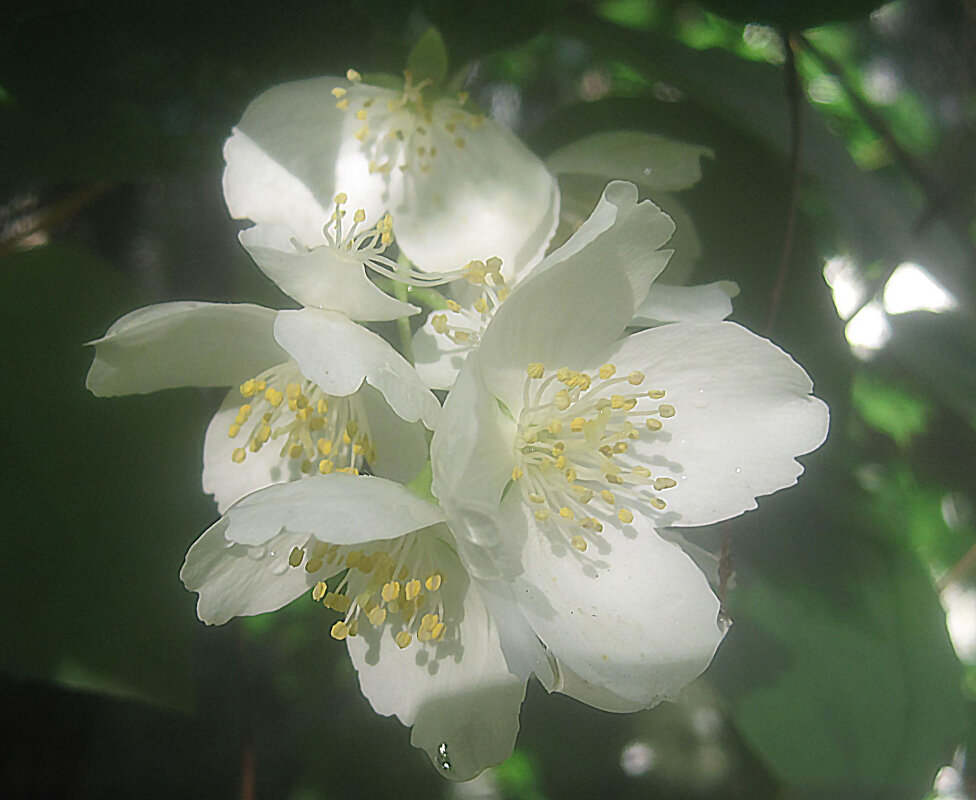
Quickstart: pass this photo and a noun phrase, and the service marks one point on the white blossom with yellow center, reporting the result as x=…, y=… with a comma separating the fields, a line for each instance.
x=460, y=187
x=385, y=569
x=565, y=446
x=313, y=391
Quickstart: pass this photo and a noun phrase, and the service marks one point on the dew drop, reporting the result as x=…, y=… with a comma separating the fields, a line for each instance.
x=724, y=621
x=738, y=470
x=256, y=553
x=699, y=401
x=442, y=760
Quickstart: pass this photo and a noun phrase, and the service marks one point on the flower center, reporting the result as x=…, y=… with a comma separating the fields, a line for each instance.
x=381, y=584
x=326, y=432
x=465, y=326
x=572, y=448
x=401, y=130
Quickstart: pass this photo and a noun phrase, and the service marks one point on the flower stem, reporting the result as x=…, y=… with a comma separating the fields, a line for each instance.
x=402, y=293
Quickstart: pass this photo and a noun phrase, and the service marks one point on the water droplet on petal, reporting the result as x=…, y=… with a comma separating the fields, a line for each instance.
x=738, y=470
x=442, y=760
x=724, y=621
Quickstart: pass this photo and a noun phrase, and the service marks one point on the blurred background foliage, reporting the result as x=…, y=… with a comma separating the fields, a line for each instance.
x=843, y=186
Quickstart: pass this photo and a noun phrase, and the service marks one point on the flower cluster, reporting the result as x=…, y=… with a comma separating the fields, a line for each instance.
x=590, y=414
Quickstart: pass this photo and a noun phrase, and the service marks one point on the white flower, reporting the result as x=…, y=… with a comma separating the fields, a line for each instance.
x=459, y=186
x=655, y=164
x=564, y=446
x=314, y=392
x=417, y=628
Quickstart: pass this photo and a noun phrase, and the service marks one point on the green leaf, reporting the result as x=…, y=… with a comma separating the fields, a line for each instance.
x=889, y=409
x=428, y=59
x=838, y=669
x=101, y=496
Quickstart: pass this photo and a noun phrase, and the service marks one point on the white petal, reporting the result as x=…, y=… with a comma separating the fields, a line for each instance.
x=632, y=615
x=401, y=447
x=287, y=154
x=652, y=162
x=235, y=580
x=437, y=358
x=582, y=296
x=228, y=481
x=743, y=413
x=337, y=508
x=338, y=355
x=491, y=197
x=319, y=277
x=183, y=344
x=711, y=302
x=472, y=460
x=574, y=686
x=459, y=695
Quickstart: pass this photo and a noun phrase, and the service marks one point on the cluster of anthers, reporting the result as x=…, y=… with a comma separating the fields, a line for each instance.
x=321, y=432
x=378, y=587
x=572, y=444
x=466, y=325
x=401, y=130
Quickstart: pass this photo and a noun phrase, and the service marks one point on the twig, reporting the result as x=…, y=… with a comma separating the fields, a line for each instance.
x=49, y=218
x=795, y=98
x=248, y=756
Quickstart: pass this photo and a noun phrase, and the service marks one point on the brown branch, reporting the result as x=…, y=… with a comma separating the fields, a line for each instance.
x=794, y=97
x=51, y=217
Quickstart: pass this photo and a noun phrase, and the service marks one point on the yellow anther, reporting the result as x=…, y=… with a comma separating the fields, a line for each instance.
x=576, y=425
x=665, y=483
x=353, y=76
x=326, y=466
x=655, y=394
x=536, y=370
x=616, y=480
x=481, y=305
x=362, y=114
x=307, y=467
x=248, y=387
x=340, y=602
x=238, y=455
x=542, y=514
x=338, y=92
x=579, y=543
x=438, y=632
x=454, y=306
x=558, y=448
x=274, y=397
x=620, y=447
x=319, y=591
x=439, y=323
x=295, y=556
x=566, y=513
x=343, y=104
x=313, y=565
x=359, y=216
x=340, y=630
x=653, y=424
x=411, y=590
x=494, y=266
x=658, y=503
x=503, y=293
x=560, y=462
x=233, y=430
x=403, y=639
x=390, y=591
x=517, y=473
x=608, y=497
x=296, y=451
x=636, y=378
x=571, y=475
x=584, y=494
x=555, y=426
x=607, y=371
x=323, y=406
x=625, y=516
x=462, y=336
x=564, y=375
x=377, y=616
x=562, y=400
x=644, y=472
x=292, y=390
x=666, y=410
x=433, y=582
x=340, y=198
x=617, y=401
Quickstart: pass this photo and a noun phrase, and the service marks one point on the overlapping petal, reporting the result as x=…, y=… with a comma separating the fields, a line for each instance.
x=185, y=343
